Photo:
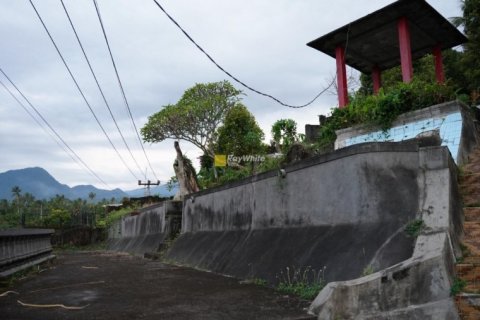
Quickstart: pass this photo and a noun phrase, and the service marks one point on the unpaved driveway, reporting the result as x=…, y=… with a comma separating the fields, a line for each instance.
x=104, y=285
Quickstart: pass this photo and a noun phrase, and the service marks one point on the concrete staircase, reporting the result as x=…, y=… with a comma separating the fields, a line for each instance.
x=468, y=269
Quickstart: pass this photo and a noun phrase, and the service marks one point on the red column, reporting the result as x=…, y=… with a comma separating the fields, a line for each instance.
x=377, y=79
x=437, y=57
x=341, y=77
x=405, y=49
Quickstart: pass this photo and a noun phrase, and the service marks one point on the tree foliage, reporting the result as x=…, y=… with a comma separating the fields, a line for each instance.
x=382, y=109
x=471, y=57
x=284, y=133
x=240, y=133
x=195, y=117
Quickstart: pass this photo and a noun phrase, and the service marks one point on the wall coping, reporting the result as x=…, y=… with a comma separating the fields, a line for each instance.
x=25, y=232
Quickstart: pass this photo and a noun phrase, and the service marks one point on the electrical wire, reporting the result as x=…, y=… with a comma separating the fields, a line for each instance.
x=235, y=78
x=80, y=91
x=98, y=86
x=97, y=9
x=50, y=127
x=38, y=122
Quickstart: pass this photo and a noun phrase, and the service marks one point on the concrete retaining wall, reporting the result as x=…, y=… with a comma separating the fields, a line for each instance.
x=146, y=231
x=23, y=248
x=344, y=211
x=419, y=287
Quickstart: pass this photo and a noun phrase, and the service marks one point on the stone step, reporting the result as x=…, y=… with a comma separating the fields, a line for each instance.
x=469, y=188
x=471, y=167
x=472, y=229
x=471, y=213
x=468, y=306
x=473, y=247
x=471, y=200
x=475, y=260
x=471, y=274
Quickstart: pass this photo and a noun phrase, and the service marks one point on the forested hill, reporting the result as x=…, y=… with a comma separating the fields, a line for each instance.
x=42, y=185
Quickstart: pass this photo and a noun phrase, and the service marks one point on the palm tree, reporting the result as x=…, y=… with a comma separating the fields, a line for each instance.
x=16, y=192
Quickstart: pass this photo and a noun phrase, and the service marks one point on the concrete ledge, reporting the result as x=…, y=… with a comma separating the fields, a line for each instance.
x=27, y=265
x=22, y=248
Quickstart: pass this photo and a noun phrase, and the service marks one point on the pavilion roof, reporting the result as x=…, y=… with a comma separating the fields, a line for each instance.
x=372, y=41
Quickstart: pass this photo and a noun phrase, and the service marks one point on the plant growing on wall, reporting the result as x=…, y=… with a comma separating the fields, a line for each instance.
x=382, y=109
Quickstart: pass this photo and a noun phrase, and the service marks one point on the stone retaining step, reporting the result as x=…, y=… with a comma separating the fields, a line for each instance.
x=472, y=213
x=468, y=306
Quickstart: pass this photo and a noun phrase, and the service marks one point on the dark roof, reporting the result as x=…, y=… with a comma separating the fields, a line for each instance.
x=373, y=40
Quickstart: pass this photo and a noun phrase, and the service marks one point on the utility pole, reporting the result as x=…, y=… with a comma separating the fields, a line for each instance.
x=147, y=185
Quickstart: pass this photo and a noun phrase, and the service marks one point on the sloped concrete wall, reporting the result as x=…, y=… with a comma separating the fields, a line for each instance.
x=342, y=212
x=144, y=232
x=419, y=287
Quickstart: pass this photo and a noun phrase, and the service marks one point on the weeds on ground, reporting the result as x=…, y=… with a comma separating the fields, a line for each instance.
x=9, y=282
x=304, y=282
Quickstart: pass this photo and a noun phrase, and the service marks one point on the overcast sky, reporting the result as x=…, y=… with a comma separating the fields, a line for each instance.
x=262, y=42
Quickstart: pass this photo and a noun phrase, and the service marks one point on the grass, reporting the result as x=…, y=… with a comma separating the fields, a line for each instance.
x=457, y=286
x=303, y=282
x=367, y=270
x=98, y=246
x=415, y=227
x=10, y=281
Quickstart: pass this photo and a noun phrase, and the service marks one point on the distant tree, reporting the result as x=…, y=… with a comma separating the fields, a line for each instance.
x=471, y=58
x=240, y=133
x=16, y=191
x=91, y=196
x=284, y=133
x=195, y=117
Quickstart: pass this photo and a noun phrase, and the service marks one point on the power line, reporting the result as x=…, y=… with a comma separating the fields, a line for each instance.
x=98, y=85
x=97, y=9
x=38, y=122
x=52, y=129
x=232, y=76
x=80, y=90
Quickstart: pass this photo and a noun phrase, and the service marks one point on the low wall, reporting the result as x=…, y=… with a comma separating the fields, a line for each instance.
x=23, y=248
x=453, y=121
x=343, y=212
x=146, y=231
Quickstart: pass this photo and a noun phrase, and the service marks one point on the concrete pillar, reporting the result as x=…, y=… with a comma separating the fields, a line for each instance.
x=437, y=57
x=341, y=77
x=405, y=49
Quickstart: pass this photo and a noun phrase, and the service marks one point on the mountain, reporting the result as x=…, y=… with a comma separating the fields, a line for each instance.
x=42, y=185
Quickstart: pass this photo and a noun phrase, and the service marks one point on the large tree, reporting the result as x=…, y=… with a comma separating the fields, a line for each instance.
x=240, y=134
x=195, y=117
